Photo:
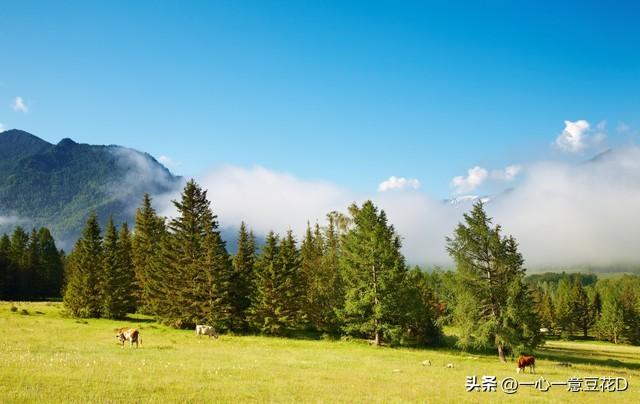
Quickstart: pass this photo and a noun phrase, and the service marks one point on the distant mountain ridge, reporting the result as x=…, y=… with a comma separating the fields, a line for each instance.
x=57, y=186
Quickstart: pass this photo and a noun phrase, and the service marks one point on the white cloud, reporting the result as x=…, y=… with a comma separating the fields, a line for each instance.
x=475, y=177
x=509, y=173
x=20, y=105
x=168, y=161
x=2, y=127
x=270, y=200
x=566, y=214
x=398, y=183
x=574, y=138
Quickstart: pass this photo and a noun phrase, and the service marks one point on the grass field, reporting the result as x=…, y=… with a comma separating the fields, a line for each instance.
x=45, y=357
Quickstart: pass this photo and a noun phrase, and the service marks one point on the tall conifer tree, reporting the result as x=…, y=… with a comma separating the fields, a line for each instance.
x=242, y=283
x=83, y=296
x=374, y=271
x=495, y=307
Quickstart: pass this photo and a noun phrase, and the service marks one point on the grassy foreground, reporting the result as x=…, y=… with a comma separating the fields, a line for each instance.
x=47, y=358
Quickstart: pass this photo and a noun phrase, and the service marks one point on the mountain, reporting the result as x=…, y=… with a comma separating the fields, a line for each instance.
x=57, y=186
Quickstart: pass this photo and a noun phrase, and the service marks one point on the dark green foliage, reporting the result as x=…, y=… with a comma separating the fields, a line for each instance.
x=58, y=186
x=115, y=286
x=5, y=279
x=563, y=305
x=83, y=297
x=198, y=268
x=374, y=274
x=31, y=267
x=125, y=260
x=150, y=234
x=276, y=304
x=582, y=311
x=242, y=282
x=495, y=307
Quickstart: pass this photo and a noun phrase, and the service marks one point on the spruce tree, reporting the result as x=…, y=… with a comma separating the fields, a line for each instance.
x=611, y=324
x=113, y=282
x=125, y=259
x=564, y=308
x=150, y=275
x=52, y=264
x=5, y=279
x=582, y=314
x=311, y=254
x=291, y=312
x=267, y=304
x=18, y=264
x=495, y=307
x=82, y=295
x=199, y=268
x=373, y=272
x=242, y=282
x=33, y=279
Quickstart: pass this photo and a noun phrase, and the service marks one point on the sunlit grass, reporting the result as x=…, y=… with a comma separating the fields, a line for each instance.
x=47, y=358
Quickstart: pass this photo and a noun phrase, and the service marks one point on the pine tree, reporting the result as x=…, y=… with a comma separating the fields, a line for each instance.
x=291, y=311
x=33, y=286
x=52, y=264
x=582, y=314
x=5, y=279
x=214, y=279
x=596, y=304
x=199, y=270
x=125, y=259
x=564, y=308
x=547, y=311
x=629, y=300
x=373, y=273
x=18, y=264
x=147, y=255
x=495, y=307
x=610, y=326
x=114, y=279
x=267, y=305
x=82, y=295
x=311, y=255
x=242, y=282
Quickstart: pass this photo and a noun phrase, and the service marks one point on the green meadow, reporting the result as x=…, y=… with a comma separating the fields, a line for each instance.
x=45, y=357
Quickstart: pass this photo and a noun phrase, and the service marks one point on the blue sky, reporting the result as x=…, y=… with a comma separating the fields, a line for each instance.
x=347, y=92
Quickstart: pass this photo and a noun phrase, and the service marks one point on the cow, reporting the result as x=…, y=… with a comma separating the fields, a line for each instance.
x=206, y=330
x=526, y=361
x=128, y=334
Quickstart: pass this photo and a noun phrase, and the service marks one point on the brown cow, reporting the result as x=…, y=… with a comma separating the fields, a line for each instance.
x=128, y=334
x=526, y=361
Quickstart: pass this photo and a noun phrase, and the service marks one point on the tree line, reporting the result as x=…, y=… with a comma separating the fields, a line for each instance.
x=582, y=304
x=31, y=266
x=345, y=277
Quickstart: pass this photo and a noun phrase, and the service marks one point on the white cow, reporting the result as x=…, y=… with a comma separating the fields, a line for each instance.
x=206, y=330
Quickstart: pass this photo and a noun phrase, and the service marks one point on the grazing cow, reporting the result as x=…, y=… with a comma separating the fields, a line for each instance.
x=526, y=361
x=206, y=330
x=128, y=334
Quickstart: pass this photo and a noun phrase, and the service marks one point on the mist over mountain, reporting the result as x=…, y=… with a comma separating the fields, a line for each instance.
x=57, y=186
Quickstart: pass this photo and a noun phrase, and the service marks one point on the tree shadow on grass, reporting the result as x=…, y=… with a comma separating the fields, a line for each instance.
x=563, y=357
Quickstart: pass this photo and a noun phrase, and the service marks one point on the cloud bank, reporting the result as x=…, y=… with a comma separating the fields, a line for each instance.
x=561, y=214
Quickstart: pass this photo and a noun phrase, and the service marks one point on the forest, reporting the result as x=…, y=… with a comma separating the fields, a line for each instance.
x=346, y=278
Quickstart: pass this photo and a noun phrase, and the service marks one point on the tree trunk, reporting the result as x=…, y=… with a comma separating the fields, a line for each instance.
x=376, y=338
x=501, y=353
x=585, y=331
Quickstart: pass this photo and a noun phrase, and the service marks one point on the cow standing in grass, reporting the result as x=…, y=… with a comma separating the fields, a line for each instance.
x=128, y=334
x=526, y=361
x=206, y=330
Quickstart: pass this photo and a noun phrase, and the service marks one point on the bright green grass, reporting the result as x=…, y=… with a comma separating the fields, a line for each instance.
x=48, y=358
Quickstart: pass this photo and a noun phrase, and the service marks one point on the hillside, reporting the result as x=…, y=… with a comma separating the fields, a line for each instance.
x=57, y=186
